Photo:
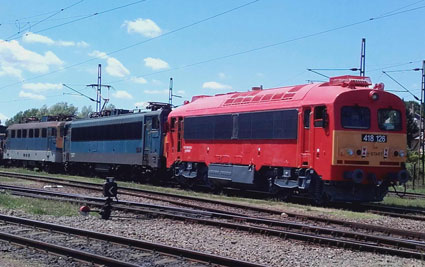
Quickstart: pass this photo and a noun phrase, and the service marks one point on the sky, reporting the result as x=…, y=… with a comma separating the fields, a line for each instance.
x=207, y=47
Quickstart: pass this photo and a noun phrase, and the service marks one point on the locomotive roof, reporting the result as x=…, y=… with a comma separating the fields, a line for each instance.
x=274, y=98
x=35, y=125
x=122, y=118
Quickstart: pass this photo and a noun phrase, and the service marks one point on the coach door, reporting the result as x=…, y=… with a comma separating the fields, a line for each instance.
x=306, y=136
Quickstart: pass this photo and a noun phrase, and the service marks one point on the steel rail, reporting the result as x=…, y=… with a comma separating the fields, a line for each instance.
x=138, y=192
x=179, y=252
x=161, y=211
x=65, y=251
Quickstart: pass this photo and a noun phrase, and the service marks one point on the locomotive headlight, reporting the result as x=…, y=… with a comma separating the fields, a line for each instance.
x=402, y=153
x=350, y=152
x=374, y=96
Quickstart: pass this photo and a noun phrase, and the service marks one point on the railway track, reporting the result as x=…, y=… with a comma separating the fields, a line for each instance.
x=406, y=213
x=100, y=248
x=321, y=235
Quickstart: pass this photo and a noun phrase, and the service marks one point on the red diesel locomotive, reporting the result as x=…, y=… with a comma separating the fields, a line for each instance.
x=335, y=141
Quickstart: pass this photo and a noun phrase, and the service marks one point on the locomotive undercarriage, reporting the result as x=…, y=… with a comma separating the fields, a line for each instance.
x=281, y=182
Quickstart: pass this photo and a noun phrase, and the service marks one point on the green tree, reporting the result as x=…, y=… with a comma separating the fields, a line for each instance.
x=412, y=127
x=85, y=112
x=61, y=108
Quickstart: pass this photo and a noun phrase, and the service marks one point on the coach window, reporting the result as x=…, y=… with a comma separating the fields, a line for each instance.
x=31, y=133
x=19, y=134
x=307, y=118
x=24, y=133
x=36, y=133
x=355, y=117
x=44, y=133
x=13, y=134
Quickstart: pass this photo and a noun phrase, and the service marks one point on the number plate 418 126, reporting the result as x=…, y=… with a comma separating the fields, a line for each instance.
x=379, y=138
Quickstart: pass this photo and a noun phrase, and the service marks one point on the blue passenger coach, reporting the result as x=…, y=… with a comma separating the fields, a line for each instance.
x=38, y=144
x=126, y=144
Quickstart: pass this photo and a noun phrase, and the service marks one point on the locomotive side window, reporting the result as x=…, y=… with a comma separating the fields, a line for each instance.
x=355, y=117
x=31, y=133
x=19, y=134
x=389, y=120
x=24, y=133
x=13, y=134
x=125, y=131
x=280, y=124
x=307, y=118
x=44, y=133
x=320, y=116
x=36, y=133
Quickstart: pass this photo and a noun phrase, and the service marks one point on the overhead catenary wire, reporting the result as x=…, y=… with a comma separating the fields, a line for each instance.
x=274, y=44
x=135, y=44
x=402, y=86
x=224, y=56
x=43, y=20
x=83, y=18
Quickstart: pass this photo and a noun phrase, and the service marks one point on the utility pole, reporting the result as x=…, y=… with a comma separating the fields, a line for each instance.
x=98, y=87
x=170, y=93
x=421, y=135
x=363, y=58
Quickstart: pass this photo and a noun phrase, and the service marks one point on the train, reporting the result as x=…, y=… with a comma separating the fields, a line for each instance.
x=338, y=141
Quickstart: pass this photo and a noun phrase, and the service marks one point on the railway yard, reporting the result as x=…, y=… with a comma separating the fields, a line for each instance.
x=171, y=227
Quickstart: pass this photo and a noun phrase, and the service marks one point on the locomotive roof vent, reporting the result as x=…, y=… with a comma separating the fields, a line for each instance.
x=350, y=81
x=257, y=88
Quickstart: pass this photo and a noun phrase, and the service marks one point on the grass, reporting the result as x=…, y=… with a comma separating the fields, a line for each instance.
x=404, y=202
x=38, y=206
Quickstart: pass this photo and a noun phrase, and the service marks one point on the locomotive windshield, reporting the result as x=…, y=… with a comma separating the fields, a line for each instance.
x=389, y=120
x=355, y=117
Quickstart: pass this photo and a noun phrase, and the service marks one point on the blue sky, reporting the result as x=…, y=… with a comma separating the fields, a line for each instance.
x=204, y=45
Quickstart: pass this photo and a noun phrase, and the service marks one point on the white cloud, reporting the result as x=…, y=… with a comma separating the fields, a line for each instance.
x=155, y=92
x=65, y=43
x=14, y=57
x=122, y=95
x=141, y=104
x=157, y=82
x=30, y=37
x=42, y=87
x=113, y=66
x=82, y=44
x=156, y=63
x=216, y=86
x=145, y=27
x=98, y=54
x=3, y=118
x=140, y=80
x=116, y=68
x=31, y=96
x=10, y=71
x=221, y=75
